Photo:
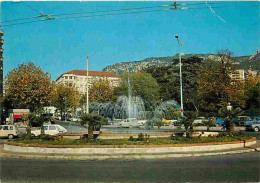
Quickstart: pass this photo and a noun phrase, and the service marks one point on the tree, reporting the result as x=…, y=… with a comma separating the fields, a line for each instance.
x=142, y=84
x=92, y=120
x=27, y=87
x=251, y=86
x=65, y=97
x=208, y=123
x=216, y=86
x=188, y=119
x=229, y=116
x=101, y=91
x=172, y=113
x=168, y=79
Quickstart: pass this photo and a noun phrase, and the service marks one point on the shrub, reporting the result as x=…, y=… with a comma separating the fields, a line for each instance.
x=131, y=138
x=141, y=137
x=224, y=134
x=173, y=137
x=25, y=136
x=49, y=137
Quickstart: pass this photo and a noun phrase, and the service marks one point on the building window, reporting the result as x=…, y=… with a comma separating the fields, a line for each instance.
x=70, y=77
x=66, y=77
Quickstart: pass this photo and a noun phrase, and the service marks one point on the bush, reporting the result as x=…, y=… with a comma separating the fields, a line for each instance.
x=49, y=137
x=131, y=138
x=173, y=137
x=25, y=136
x=224, y=134
x=141, y=137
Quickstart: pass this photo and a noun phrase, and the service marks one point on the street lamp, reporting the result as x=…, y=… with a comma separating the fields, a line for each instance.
x=181, y=110
x=229, y=107
x=87, y=104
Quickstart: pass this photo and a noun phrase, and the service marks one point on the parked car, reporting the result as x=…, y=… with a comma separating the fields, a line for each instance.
x=255, y=127
x=242, y=120
x=199, y=121
x=253, y=124
x=74, y=119
x=60, y=128
x=57, y=117
x=9, y=131
x=256, y=119
x=50, y=130
x=131, y=122
x=219, y=122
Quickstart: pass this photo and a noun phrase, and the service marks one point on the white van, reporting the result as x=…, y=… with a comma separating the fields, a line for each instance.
x=9, y=131
x=50, y=130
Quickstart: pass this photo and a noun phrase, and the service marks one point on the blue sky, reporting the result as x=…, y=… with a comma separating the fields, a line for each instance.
x=62, y=45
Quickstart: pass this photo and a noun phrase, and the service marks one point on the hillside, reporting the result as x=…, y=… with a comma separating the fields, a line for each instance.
x=245, y=62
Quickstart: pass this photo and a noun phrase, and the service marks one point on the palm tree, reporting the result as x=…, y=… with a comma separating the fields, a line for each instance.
x=92, y=120
x=208, y=123
x=229, y=116
x=189, y=117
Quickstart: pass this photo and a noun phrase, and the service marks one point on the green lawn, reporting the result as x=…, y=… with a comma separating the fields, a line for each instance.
x=151, y=141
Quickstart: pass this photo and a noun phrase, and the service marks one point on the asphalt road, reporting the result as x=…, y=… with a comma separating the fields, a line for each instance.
x=225, y=168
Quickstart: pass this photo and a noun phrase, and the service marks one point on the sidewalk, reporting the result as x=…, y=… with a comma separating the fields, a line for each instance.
x=6, y=154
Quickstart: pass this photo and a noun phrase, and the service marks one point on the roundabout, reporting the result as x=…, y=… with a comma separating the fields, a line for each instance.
x=123, y=151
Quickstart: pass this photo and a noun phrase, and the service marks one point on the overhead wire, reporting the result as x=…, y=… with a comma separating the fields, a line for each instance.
x=30, y=7
x=134, y=12
x=102, y=11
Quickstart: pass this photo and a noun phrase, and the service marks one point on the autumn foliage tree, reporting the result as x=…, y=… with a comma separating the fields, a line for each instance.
x=252, y=95
x=216, y=85
x=27, y=87
x=65, y=97
x=101, y=91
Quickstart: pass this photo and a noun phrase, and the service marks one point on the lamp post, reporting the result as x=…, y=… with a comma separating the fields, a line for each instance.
x=179, y=44
x=87, y=105
x=229, y=107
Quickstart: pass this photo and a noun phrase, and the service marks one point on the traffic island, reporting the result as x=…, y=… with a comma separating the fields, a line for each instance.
x=101, y=152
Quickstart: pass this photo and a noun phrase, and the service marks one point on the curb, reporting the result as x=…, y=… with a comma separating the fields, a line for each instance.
x=248, y=149
x=125, y=156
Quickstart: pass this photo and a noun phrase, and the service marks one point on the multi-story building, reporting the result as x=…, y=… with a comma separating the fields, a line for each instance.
x=238, y=74
x=79, y=79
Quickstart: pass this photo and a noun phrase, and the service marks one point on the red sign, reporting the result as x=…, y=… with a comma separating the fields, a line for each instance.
x=17, y=116
x=181, y=110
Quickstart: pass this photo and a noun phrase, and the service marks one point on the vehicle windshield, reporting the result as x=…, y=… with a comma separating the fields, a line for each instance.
x=52, y=128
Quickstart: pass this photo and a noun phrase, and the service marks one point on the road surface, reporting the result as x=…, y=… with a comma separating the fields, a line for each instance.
x=225, y=168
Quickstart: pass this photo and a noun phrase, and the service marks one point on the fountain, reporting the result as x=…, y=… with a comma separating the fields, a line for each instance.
x=129, y=111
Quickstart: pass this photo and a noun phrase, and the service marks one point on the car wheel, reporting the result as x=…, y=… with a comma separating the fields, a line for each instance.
x=256, y=129
x=32, y=135
x=10, y=136
x=217, y=125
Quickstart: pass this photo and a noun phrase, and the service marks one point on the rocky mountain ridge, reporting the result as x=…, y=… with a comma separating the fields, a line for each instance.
x=244, y=62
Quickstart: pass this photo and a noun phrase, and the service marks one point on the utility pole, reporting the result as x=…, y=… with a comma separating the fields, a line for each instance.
x=179, y=44
x=87, y=107
x=1, y=74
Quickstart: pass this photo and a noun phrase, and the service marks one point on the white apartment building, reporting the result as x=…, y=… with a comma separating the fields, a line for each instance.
x=79, y=79
x=239, y=74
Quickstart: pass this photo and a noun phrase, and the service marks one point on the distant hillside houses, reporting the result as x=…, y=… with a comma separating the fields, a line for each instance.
x=79, y=79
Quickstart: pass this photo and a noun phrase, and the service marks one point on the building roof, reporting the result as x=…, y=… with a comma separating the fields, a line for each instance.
x=90, y=73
